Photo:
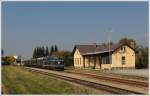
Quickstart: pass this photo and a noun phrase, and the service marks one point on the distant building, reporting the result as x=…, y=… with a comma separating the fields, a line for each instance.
x=17, y=60
x=15, y=57
x=104, y=56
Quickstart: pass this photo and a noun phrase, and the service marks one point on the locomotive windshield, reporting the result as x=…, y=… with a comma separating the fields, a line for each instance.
x=55, y=60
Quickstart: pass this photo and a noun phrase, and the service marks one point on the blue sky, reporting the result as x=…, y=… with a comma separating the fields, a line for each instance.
x=26, y=25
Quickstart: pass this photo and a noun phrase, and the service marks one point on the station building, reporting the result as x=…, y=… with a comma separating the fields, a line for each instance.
x=110, y=56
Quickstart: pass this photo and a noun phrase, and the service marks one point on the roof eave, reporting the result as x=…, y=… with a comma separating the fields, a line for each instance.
x=94, y=53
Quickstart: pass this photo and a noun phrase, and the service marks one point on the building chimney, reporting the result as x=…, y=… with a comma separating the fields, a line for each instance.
x=132, y=44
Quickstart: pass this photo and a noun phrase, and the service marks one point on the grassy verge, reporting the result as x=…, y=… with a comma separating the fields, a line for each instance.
x=20, y=81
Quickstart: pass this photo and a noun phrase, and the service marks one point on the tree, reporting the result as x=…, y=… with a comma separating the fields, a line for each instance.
x=46, y=51
x=43, y=51
x=128, y=41
x=55, y=48
x=34, y=53
x=142, y=57
x=67, y=56
x=52, y=50
x=9, y=60
x=39, y=52
x=2, y=52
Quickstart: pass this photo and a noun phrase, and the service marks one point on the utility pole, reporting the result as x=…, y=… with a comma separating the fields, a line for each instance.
x=109, y=31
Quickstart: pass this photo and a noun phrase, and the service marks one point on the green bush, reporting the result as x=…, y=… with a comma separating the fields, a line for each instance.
x=68, y=62
x=6, y=63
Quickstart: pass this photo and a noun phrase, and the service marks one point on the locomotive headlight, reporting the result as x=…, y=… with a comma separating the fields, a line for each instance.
x=58, y=62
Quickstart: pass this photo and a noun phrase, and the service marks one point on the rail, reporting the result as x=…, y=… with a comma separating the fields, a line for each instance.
x=110, y=89
x=114, y=79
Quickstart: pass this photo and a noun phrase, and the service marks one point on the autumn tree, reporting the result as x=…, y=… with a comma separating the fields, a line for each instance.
x=9, y=60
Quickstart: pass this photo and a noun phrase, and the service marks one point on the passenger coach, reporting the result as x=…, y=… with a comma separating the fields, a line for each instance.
x=52, y=62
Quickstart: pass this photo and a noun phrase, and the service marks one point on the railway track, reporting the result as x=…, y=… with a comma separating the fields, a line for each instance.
x=106, y=88
x=113, y=79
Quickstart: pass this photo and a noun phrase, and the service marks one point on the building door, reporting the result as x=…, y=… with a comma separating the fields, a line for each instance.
x=100, y=62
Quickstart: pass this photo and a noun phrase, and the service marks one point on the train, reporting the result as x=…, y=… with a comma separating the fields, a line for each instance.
x=50, y=62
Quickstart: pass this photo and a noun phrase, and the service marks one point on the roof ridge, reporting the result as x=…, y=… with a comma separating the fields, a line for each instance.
x=97, y=44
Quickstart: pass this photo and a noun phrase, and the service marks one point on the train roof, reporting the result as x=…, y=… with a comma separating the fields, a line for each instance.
x=54, y=58
x=46, y=58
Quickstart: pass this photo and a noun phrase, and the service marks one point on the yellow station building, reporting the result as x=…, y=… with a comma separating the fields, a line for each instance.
x=110, y=56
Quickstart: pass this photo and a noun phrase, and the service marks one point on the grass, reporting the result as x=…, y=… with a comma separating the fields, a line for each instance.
x=17, y=80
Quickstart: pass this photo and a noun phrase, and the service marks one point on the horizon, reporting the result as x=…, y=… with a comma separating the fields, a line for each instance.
x=26, y=25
